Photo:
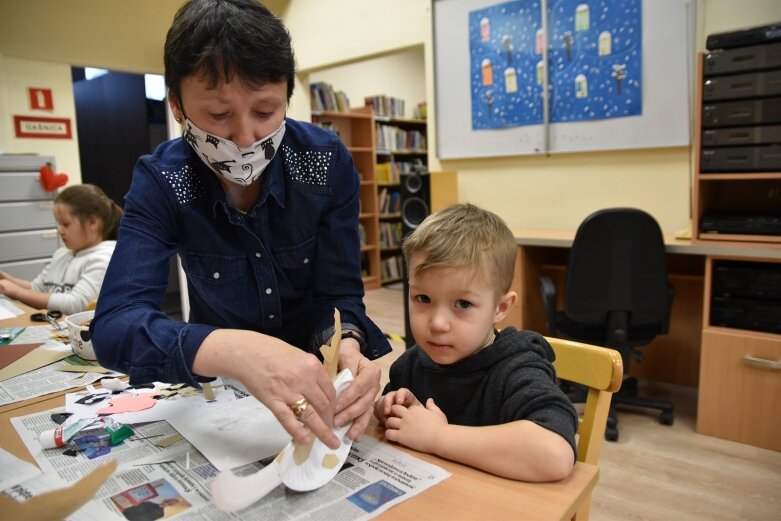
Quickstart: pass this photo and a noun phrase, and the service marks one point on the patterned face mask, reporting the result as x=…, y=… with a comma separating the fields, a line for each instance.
x=240, y=165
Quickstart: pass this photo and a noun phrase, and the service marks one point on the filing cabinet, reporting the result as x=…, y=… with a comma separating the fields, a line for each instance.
x=28, y=231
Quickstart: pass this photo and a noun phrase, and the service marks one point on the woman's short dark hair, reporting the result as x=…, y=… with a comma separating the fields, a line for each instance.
x=223, y=38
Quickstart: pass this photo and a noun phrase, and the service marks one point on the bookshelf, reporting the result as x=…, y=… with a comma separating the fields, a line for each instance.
x=401, y=149
x=356, y=130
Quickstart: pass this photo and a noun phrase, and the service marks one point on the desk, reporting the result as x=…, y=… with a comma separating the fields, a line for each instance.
x=694, y=353
x=467, y=494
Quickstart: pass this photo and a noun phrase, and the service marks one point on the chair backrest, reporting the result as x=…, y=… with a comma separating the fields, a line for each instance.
x=617, y=264
x=601, y=370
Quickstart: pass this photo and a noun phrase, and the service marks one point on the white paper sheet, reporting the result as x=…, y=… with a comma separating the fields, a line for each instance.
x=8, y=309
x=15, y=470
x=236, y=434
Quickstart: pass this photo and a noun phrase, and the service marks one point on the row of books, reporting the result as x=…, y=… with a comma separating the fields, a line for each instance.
x=387, y=106
x=391, y=172
x=391, y=268
x=395, y=139
x=390, y=234
x=325, y=98
x=389, y=202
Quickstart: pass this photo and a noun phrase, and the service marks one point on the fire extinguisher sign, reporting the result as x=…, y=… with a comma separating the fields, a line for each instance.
x=40, y=99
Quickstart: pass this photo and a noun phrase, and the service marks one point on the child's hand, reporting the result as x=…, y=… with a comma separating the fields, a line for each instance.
x=402, y=397
x=417, y=427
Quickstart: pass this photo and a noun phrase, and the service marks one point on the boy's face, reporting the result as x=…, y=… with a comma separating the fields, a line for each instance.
x=453, y=311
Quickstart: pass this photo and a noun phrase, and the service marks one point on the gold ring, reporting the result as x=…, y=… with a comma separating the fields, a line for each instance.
x=299, y=406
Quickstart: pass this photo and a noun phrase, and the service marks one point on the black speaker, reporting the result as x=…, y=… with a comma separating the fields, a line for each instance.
x=415, y=196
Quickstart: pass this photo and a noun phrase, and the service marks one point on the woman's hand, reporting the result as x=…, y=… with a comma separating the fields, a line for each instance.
x=355, y=402
x=278, y=375
x=404, y=397
x=417, y=427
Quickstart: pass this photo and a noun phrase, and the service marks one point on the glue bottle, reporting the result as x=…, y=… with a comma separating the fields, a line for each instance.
x=107, y=432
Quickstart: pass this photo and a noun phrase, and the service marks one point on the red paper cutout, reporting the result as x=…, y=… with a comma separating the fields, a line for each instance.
x=129, y=403
x=50, y=180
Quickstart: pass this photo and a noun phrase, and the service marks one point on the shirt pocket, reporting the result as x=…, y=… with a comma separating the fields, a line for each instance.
x=218, y=277
x=296, y=263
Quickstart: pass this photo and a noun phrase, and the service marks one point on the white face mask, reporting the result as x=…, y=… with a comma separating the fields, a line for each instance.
x=240, y=165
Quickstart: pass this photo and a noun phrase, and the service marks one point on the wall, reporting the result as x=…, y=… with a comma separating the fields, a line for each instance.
x=556, y=191
x=388, y=75
x=16, y=75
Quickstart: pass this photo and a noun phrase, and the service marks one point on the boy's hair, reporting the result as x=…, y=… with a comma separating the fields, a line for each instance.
x=223, y=38
x=464, y=235
x=85, y=201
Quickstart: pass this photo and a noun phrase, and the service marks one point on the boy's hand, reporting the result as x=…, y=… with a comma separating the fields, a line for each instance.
x=417, y=427
x=402, y=397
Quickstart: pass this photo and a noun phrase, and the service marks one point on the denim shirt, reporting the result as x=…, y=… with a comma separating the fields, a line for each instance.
x=280, y=268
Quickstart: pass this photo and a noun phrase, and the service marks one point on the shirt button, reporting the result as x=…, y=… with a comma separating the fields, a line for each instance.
x=306, y=261
x=216, y=275
x=375, y=353
x=268, y=291
x=271, y=317
x=257, y=254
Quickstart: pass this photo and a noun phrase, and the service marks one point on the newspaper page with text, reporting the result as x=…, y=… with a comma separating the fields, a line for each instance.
x=160, y=482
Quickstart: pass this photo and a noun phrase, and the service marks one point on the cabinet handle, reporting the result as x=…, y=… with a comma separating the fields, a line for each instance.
x=48, y=205
x=762, y=362
x=52, y=235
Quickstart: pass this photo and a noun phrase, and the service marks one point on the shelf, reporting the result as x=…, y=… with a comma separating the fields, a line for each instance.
x=739, y=176
x=402, y=152
x=387, y=216
x=734, y=237
x=334, y=114
x=400, y=121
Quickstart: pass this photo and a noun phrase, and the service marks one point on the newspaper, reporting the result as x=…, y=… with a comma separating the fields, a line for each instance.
x=157, y=483
x=48, y=379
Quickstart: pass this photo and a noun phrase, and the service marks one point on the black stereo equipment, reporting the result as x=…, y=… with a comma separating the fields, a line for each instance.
x=745, y=59
x=755, y=280
x=740, y=313
x=741, y=223
x=737, y=136
x=744, y=37
x=741, y=159
x=762, y=111
x=737, y=86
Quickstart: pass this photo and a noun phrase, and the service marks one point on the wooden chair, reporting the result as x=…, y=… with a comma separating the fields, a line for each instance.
x=601, y=370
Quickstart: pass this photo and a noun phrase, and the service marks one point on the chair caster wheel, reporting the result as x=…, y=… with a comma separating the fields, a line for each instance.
x=611, y=434
x=666, y=418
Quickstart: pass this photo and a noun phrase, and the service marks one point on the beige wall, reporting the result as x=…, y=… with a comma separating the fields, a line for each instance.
x=16, y=76
x=556, y=191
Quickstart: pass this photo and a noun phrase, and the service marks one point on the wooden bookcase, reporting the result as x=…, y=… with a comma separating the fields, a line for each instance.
x=401, y=148
x=356, y=129
x=740, y=375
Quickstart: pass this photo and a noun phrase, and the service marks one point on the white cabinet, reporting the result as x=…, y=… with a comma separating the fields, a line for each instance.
x=28, y=231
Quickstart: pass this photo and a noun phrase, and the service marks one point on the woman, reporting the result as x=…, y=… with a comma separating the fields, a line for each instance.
x=263, y=212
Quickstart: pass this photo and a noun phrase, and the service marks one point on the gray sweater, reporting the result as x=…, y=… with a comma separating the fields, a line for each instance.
x=511, y=379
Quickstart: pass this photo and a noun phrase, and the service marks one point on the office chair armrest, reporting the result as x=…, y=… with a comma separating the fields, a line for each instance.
x=548, y=292
x=670, y=298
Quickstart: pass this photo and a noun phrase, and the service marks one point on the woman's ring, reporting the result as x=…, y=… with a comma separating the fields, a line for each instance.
x=299, y=406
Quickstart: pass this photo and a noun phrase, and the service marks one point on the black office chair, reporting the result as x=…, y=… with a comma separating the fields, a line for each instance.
x=616, y=294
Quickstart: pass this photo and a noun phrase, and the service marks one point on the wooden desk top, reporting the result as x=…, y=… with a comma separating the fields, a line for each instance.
x=467, y=494
x=23, y=319
x=564, y=238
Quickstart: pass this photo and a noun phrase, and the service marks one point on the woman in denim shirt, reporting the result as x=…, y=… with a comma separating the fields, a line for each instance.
x=263, y=212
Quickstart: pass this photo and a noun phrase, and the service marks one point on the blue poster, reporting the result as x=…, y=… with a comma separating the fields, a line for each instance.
x=594, y=56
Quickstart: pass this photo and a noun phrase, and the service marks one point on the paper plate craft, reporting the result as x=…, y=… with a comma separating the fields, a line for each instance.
x=300, y=467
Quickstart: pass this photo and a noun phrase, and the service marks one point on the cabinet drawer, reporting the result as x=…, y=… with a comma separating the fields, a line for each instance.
x=740, y=387
x=26, y=270
x=22, y=186
x=29, y=215
x=28, y=245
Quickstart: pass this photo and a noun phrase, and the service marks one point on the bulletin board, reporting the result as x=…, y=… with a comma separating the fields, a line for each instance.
x=652, y=110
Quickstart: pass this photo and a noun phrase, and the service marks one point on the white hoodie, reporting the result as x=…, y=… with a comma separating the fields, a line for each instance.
x=74, y=280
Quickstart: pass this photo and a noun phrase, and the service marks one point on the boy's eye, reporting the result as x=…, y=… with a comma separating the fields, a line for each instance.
x=221, y=115
x=463, y=304
x=423, y=299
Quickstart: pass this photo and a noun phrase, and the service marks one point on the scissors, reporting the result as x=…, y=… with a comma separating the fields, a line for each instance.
x=50, y=317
